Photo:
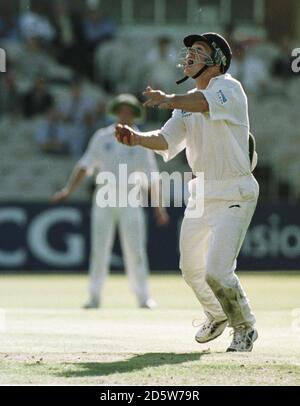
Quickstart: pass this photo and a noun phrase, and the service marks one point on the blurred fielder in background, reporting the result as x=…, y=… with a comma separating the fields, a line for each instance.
x=105, y=154
x=211, y=122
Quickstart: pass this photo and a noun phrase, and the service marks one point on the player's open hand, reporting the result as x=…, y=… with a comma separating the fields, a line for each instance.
x=158, y=98
x=60, y=196
x=126, y=135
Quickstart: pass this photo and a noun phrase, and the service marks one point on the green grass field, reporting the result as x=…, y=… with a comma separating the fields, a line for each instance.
x=50, y=340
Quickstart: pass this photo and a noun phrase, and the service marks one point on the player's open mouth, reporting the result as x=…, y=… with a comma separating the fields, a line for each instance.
x=190, y=62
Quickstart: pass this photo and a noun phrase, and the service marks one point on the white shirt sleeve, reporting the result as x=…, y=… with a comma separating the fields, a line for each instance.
x=90, y=159
x=174, y=132
x=227, y=102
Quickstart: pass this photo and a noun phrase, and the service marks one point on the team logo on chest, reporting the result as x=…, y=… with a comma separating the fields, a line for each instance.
x=222, y=97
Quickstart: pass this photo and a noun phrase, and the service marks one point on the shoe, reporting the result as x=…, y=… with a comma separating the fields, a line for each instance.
x=243, y=339
x=91, y=304
x=210, y=330
x=148, y=304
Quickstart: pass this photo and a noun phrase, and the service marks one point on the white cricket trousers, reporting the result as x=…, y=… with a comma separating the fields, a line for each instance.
x=209, y=247
x=132, y=231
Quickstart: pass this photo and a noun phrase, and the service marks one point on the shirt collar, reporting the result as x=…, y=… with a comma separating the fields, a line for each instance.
x=225, y=75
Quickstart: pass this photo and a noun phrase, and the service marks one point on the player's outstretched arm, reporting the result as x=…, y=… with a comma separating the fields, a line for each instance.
x=75, y=180
x=193, y=102
x=151, y=140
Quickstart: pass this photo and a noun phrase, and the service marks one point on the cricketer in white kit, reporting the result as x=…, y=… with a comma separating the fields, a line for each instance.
x=211, y=123
x=105, y=155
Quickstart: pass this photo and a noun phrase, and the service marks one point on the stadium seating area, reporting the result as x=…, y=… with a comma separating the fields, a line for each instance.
x=274, y=122
x=25, y=174
x=29, y=174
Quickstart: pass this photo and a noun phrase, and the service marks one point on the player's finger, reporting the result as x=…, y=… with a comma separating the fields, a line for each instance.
x=152, y=94
x=132, y=139
x=149, y=91
x=118, y=131
x=119, y=138
x=150, y=103
x=126, y=140
x=118, y=128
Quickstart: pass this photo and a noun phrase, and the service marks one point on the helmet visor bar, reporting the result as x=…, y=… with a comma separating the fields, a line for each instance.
x=192, y=57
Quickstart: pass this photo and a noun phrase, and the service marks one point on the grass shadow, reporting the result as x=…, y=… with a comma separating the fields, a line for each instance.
x=135, y=363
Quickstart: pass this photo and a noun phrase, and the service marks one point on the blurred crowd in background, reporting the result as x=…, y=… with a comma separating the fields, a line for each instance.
x=63, y=67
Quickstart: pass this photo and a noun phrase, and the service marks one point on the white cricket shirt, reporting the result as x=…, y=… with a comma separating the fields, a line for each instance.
x=216, y=142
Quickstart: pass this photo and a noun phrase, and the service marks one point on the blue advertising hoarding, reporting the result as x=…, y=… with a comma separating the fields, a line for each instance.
x=44, y=237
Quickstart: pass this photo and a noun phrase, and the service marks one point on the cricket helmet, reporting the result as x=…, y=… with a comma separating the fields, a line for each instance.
x=221, y=55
